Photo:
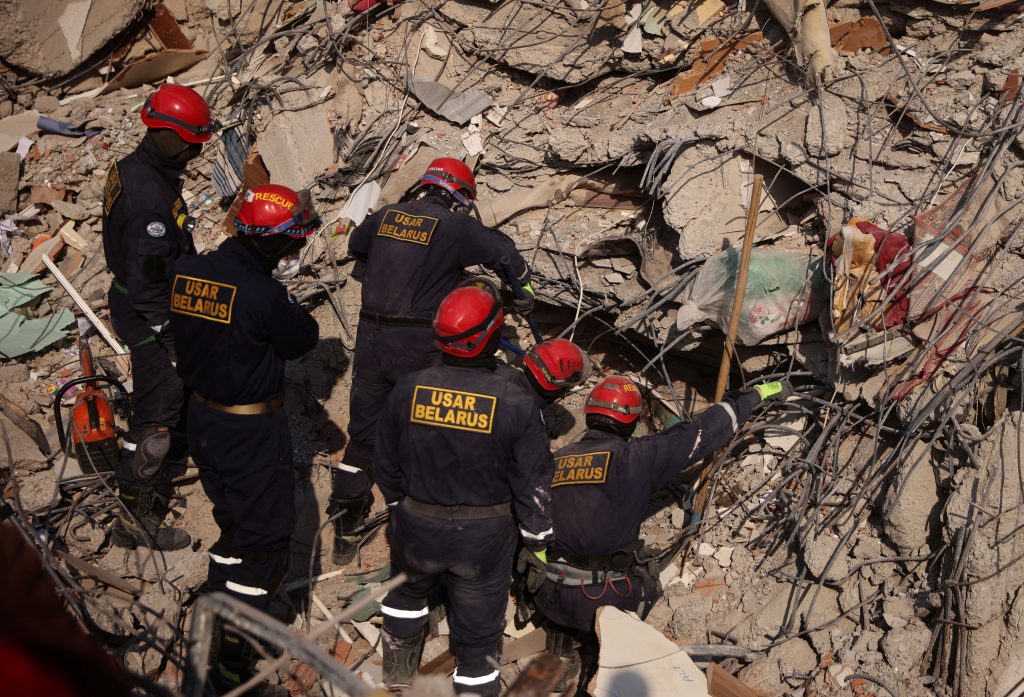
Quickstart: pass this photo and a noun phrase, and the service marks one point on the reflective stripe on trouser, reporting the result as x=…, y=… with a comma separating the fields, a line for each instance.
x=472, y=559
x=245, y=466
x=479, y=678
x=383, y=354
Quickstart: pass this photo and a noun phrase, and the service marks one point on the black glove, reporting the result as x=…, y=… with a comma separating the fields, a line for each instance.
x=163, y=336
x=531, y=564
x=524, y=305
x=780, y=390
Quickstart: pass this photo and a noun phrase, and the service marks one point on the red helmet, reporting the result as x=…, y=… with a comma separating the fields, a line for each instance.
x=618, y=397
x=272, y=209
x=181, y=109
x=557, y=365
x=453, y=176
x=466, y=321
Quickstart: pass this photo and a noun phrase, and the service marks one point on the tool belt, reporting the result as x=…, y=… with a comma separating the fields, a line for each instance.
x=457, y=512
x=566, y=573
x=241, y=409
x=395, y=320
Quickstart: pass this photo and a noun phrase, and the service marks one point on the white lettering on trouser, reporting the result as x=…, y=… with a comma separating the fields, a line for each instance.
x=467, y=680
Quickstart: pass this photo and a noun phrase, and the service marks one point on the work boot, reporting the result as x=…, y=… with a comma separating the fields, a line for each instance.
x=401, y=659
x=562, y=645
x=235, y=663
x=353, y=516
x=141, y=525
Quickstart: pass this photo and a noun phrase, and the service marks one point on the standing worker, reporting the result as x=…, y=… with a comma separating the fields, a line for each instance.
x=600, y=492
x=145, y=229
x=413, y=254
x=460, y=447
x=235, y=326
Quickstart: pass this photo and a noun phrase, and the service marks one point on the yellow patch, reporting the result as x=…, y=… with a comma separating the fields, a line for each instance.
x=585, y=468
x=465, y=411
x=197, y=297
x=407, y=228
x=111, y=189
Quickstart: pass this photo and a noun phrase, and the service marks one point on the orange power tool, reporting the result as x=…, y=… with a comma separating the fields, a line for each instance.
x=94, y=431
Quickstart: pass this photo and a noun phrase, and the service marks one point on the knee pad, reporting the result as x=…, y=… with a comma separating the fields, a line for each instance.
x=148, y=451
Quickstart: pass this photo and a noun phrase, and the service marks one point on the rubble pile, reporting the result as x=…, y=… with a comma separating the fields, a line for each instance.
x=862, y=538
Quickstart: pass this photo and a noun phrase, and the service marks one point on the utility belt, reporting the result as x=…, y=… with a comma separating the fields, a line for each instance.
x=566, y=573
x=457, y=512
x=395, y=320
x=241, y=409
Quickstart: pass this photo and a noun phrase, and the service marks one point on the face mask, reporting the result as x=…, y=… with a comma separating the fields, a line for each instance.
x=287, y=268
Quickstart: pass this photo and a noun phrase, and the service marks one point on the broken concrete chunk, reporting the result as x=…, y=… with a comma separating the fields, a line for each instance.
x=817, y=554
x=637, y=659
x=904, y=647
x=50, y=39
x=912, y=504
x=298, y=146
x=71, y=211
x=10, y=173
x=459, y=107
x=826, y=133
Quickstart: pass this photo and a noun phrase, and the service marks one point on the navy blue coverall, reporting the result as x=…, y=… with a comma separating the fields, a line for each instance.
x=600, y=493
x=143, y=216
x=414, y=253
x=460, y=448
x=235, y=326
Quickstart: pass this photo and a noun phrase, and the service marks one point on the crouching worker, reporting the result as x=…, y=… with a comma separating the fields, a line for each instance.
x=460, y=455
x=600, y=492
x=235, y=325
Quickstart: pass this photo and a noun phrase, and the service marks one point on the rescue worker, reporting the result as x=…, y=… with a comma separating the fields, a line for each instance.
x=235, y=325
x=600, y=493
x=461, y=453
x=146, y=227
x=552, y=368
x=413, y=254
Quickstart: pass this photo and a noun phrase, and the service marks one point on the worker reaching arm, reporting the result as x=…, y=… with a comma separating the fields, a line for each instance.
x=601, y=489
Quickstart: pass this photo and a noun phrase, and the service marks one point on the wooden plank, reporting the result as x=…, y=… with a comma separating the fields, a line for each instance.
x=101, y=575
x=444, y=664
x=165, y=27
x=107, y=335
x=538, y=678
x=532, y=643
x=721, y=683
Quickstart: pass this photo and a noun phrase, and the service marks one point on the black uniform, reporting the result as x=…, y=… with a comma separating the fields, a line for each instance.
x=235, y=327
x=414, y=255
x=459, y=447
x=600, y=491
x=142, y=236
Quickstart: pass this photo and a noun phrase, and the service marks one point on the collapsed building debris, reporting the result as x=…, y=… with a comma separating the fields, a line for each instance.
x=862, y=537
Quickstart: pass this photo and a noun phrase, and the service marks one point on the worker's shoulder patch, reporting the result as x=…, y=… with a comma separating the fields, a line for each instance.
x=111, y=189
x=156, y=229
x=198, y=297
x=405, y=227
x=464, y=411
x=582, y=468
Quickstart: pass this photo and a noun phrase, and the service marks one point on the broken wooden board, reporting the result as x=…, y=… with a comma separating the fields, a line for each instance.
x=722, y=684
x=538, y=678
x=154, y=67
